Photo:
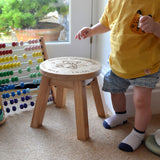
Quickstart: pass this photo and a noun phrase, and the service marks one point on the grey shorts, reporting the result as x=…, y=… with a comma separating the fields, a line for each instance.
x=114, y=84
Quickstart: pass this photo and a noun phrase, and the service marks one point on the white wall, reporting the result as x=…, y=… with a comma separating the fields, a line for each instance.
x=100, y=52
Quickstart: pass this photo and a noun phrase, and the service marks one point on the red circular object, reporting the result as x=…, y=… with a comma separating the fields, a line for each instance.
x=4, y=45
x=0, y=53
x=7, y=51
x=0, y=45
x=3, y=52
x=13, y=44
x=10, y=51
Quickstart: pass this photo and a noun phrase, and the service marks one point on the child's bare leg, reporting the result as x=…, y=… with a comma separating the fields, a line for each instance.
x=119, y=105
x=142, y=102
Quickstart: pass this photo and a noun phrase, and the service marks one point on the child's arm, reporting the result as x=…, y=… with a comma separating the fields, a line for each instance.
x=147, y=24
x=90, y=31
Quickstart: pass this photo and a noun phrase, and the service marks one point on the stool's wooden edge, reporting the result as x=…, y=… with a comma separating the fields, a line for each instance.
x=71, y=77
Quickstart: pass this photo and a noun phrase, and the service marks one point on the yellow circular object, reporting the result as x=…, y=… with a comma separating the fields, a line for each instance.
x=7, y=59
x=15, y=57
x=30, y=62
x=24, y=56
x=1, y=67
x=34, y=54
x=18, y=64
x=11, y=58
x=3, y=59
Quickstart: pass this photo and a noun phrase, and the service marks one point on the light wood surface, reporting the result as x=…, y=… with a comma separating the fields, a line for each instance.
x=74, y=73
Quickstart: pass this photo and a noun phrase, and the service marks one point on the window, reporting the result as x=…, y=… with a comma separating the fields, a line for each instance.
x=22, y=20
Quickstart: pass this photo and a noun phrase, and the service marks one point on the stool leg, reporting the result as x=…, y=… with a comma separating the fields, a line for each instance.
x=81, y=110
x=97, y=98
x=41, y=102
x=60, y=97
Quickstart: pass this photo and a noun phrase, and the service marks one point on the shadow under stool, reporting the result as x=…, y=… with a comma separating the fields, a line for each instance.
x=73, y=73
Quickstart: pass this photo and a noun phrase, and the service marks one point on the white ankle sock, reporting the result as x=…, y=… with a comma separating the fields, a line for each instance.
x=132, y=141
x=115, y=120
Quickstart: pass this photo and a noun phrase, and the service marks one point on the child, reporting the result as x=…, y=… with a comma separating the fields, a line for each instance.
x=134, y=60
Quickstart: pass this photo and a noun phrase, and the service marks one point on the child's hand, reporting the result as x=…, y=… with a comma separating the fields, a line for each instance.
x=84, y=33
x=147, y=24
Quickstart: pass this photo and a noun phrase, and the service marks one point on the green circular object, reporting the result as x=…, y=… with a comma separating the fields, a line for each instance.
x=38, y=74
x=7, y=80
x=7, y=73
x=28, y=69
x=20, y=70
x=16, y=79
x=34, y=75
x=31, y=75
x=1, y=74
x=151, y=145
x=37, y=67
x=4, y=74
x=12, y=79
x=0, y=82
x=3, y=81
x=11, y=72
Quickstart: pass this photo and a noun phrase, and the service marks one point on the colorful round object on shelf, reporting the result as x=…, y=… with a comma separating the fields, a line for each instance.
x=7, y=110
x=20, y=71
x=24, y=56
x=25, y=105
x=22, y=85
x=13, y=44
x=14, y=108
x=30, y=61
x=28, y=69
x=13, y=94
x=7, y=95
x=21, y=106
x=11, y=101
x=5, y=103
x=32, y=103
x=22, y=99
x=15, y=100
x=18, y=92
x=24, y=91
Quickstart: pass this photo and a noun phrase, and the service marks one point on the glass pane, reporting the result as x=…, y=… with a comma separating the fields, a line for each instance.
x=22, y=20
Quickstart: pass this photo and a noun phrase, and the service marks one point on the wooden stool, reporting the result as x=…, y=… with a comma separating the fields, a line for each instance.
x=69, y=72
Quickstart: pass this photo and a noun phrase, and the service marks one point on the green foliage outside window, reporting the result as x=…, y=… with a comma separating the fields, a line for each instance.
x=26, y=13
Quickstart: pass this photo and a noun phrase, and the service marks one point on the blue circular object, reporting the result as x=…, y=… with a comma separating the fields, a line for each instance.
x=22, y=99
x=7, y=95
x=32, y=103
x=13, y=94
x=11, y=101
x=14, y=108
x=4, y=96
x=27, y=98
x=5, y=88
x=1, y=89
x=13, y=86
x=18, y=92
x=28, y=90
x=15, y=100
x=22, y=84
x=7, y=110
x=25, y=105
x=21, y=106
x=24, y=91
x=5, y=103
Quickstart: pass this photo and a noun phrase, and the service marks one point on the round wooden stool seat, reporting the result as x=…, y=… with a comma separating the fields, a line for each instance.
x=70, y=68
x=74, y=73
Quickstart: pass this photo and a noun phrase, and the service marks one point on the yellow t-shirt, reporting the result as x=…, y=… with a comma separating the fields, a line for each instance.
x=133, y=54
